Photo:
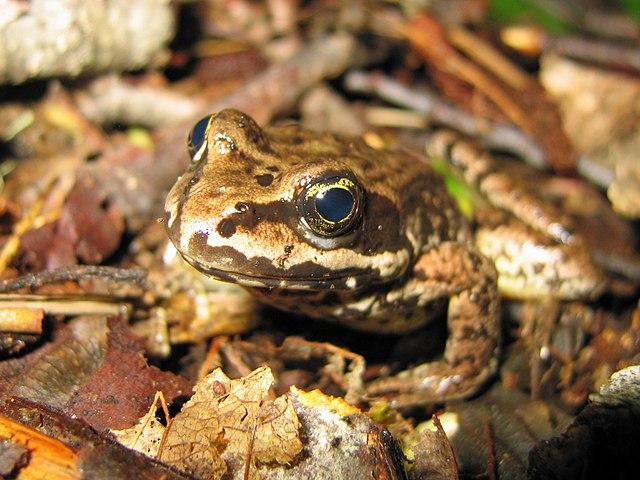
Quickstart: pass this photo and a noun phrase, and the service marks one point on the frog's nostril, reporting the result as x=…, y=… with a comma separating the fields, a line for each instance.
x=264, y=180
x=226, y=228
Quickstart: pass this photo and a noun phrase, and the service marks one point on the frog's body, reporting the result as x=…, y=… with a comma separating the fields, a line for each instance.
x=335, y=230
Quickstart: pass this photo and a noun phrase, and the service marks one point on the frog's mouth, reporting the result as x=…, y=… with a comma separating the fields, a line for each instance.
x=351, y=280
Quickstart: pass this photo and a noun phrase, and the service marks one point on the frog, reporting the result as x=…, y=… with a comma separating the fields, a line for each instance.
x=330, y=228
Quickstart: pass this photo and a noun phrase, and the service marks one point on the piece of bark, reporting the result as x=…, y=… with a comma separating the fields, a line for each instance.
x=41, y=38
x=602, y=441
x=113, y=100
x=62, y=447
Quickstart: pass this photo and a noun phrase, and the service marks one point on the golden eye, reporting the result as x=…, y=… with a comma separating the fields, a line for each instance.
x=331, y=206
x=197, y=140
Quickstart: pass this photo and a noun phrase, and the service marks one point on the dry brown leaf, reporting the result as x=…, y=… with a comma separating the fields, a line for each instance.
x=231, y=418
x=146, y=435
x=436, y=458
x=93, y=369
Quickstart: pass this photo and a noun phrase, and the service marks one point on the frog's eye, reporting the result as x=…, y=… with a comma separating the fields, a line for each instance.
x=198, y=138
x=331, y=206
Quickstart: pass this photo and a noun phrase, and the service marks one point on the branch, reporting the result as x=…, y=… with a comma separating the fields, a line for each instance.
x=73, y=273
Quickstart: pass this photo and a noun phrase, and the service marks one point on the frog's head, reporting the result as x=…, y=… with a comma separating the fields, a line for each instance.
x=285, y=208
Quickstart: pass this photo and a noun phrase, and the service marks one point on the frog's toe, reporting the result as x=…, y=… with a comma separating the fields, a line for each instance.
x=433, y=382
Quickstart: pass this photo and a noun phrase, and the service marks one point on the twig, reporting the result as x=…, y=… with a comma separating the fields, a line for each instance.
x=159, y=399
x=435, y=109
x=210, y=358
x=611, y=23
x=65, y=306
x=21, y=320
x=491, y=453
x=597, y=51
x=597, y=173
x=249, y=459
x=528, y=107
x=485, y=55
x=395, y=117
x=428, y=37
x=74, y=273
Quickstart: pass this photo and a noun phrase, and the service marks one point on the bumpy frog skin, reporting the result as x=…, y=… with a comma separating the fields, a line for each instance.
x=333, y=229
x=535, y=250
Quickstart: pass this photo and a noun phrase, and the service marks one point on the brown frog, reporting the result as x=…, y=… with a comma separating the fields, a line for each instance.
x=333, y=229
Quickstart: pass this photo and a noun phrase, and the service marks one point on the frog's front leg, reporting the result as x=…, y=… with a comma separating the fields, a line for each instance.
x=470, y=357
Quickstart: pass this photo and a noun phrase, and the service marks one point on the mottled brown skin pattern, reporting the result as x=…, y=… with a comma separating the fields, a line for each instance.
x=535, y=250
x=235, y=215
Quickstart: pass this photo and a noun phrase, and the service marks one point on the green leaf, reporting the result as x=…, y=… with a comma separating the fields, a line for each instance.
x=632, y=8
x=457, y=188
x=518, y=11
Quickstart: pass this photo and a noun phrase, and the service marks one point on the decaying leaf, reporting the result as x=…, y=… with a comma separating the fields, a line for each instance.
x=146, y=435
x=300, y=362
x=87, y=227
x=231, y=418
x=600, y=112
x=93, y=369
x=436, y=459
x=597, y=105
x=427, y=451
x=516, y=423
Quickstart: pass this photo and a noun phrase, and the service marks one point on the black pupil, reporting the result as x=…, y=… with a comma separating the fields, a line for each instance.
x=334, y=204
x=197, y=133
